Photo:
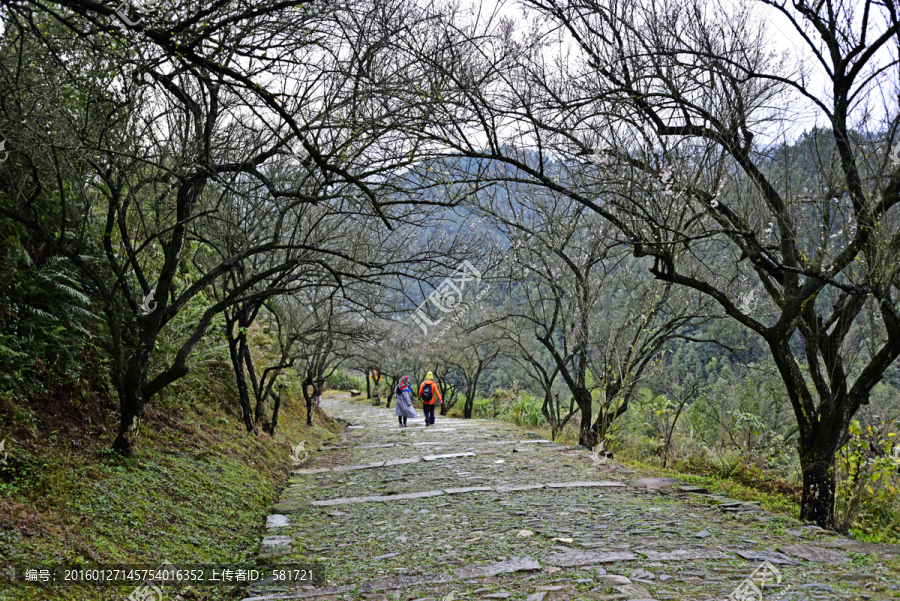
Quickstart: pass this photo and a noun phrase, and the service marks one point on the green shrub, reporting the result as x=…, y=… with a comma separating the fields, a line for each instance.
x=342, y=380
x=524, y=410
x=49, y=338
x=867, y=482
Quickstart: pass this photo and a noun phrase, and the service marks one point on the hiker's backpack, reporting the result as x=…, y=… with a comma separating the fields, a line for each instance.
x=427, y=392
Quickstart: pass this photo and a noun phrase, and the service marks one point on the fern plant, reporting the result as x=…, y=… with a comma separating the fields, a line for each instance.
x=45, y=321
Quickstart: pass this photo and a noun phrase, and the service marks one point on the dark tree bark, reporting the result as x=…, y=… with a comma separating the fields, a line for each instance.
x=310, y=392
x=235, y=349
x=273, y=424
x=472, y=387
x=393, y=385
x=470, y=358
x=448, y=392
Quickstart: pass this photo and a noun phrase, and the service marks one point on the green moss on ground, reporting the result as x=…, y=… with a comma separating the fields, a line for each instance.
x=197, y=491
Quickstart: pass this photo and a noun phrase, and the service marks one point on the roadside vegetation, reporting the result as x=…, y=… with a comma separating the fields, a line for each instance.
x=198, y=493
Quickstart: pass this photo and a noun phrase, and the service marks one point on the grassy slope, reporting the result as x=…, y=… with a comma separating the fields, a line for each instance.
x=197, y=490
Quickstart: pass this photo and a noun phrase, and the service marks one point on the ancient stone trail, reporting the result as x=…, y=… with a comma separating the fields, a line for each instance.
x=474, y=509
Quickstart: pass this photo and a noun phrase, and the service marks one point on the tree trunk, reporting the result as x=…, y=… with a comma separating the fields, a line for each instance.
x=672, y=429
x=273, y=425
x=131, y=408
x=472, y=390
x=469, y=405
x=549, y=415
x=368, y=388
x=821, y=434
x=817, y=502
x=309, y=401
x=259, y=390
x=450, y=398
x=587, y=436
x=605, y=418
x=241, y=380
x=393, y=385
x=442, y=387
x=132, y=402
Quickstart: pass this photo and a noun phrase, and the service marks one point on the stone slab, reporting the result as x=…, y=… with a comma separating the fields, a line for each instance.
x=454, y=491
x=682, y=554
x=770, y=556
x=583, y=484
x=358, y=466
x=319, y=470
x=385, y=584
x=412, y=495
x=516, y=564
x=376, y=499
x=634, y=592
x=817, y=554
x=867, y=548
x=724, y=500
x=613, y=579
x=518, y=487
x=447, y=456
x=345, y=501
x=276, y=542
x=585, y=558
x=402, y=461
x=654, y=482
x=277, y=520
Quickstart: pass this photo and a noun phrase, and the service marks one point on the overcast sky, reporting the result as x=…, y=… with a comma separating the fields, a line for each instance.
x=783, y=37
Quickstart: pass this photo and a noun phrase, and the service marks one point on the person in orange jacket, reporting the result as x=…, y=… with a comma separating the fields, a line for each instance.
x=428, y=392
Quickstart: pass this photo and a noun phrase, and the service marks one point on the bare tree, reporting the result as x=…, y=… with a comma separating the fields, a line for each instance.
x=678, y=126
x=541, y=368
x=332, y=327
x=469, y=351
x=600, y=323
x=194, y=134
x=809, y=223
x=681, y=393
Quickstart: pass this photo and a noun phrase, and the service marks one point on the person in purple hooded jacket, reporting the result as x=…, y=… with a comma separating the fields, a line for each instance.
x=404, y=407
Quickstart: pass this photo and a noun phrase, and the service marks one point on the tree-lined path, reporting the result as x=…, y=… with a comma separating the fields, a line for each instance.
x=482, y=509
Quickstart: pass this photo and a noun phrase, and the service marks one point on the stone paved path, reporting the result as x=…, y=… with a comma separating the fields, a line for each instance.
x=473, y=509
